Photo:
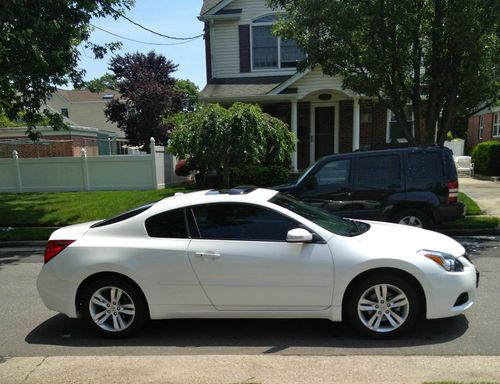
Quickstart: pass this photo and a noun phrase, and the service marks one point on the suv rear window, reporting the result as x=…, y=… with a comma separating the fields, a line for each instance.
x=379, y=171
x=425, y=165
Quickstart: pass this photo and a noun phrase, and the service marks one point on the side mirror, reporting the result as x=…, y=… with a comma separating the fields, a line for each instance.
x=299, y=235
x=312, y=182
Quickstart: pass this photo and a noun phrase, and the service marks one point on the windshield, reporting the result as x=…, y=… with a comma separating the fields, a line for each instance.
x=324, y=219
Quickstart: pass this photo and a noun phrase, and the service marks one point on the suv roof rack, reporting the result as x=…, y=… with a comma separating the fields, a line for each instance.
x=398, y=146
x=239, y=190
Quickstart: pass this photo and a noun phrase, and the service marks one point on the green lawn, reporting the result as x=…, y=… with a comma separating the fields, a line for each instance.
x=472, y=222
x=471, y=207
x=55, y=209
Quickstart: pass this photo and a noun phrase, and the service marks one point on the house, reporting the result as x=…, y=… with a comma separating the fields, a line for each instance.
x=483, y=126
x=80, y=107
x=245, y=62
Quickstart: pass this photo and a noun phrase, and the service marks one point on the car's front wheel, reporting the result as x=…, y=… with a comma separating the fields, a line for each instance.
x=382, y=306
x=113, y=306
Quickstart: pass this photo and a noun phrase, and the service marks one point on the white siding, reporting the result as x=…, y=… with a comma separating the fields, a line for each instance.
x=225, y=41
x=315, y=81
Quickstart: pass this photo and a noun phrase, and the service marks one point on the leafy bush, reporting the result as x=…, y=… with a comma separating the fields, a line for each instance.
x=486, y=158
x=259, y=175
x=221, y=139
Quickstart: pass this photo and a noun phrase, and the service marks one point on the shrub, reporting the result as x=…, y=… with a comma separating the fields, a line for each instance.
x=486, y=158
x=259, y=175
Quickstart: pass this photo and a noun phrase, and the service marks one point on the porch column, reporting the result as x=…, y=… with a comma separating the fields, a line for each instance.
x=355, y=124
x=293, y=124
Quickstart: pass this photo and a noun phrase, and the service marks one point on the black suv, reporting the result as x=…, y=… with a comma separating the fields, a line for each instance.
x=416, y=186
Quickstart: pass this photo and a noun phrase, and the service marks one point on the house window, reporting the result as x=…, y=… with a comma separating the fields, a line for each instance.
x=481, y=127
x=269, y=51
x=496, y=124
x=394, y=130
x=64, y=112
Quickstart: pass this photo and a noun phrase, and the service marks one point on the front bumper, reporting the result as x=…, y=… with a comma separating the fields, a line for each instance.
x=445, y=289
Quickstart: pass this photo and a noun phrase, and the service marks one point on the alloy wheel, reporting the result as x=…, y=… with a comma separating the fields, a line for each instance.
x=112, y=309
x=383, y=308
x=412, y=221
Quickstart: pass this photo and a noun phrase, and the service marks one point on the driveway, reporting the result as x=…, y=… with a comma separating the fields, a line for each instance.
x=485, y=193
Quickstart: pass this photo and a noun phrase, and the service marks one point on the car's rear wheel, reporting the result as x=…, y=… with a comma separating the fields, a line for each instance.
x=412, y=217
x=382, y=306
x=113, y=307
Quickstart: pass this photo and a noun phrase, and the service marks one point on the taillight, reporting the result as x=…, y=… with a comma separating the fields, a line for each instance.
x=453, y=191
x=54, y=247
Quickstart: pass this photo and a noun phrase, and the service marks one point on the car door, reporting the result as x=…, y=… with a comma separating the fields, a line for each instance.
x=243, y=261
x=378, y=183
x=329, y=186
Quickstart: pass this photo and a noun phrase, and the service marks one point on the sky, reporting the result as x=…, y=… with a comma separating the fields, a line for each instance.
x=169, y=17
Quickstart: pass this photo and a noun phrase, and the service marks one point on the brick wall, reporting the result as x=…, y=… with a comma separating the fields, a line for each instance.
x=473, y=130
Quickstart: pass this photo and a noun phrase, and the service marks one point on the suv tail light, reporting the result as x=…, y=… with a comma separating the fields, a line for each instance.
x=54, y=247
x=453, y=191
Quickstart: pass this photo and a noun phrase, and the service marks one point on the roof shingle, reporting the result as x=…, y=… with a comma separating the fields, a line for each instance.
x=208, y=5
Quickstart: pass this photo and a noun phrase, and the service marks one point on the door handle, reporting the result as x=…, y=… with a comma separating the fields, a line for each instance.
x=208, y=255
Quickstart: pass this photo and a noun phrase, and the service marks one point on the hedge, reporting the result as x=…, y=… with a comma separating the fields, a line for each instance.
x=486, y=158
x=259, y=175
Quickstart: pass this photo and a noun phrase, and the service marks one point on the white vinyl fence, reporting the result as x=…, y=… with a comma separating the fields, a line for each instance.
x=86, y=173
x=457, y=146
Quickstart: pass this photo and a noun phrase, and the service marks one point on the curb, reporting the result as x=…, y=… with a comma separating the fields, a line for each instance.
x=471, y=232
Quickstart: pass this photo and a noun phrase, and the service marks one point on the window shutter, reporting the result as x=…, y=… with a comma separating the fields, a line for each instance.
x=244, y=36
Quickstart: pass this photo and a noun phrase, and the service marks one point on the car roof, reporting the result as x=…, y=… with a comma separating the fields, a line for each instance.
x=254, y=195
x=423, y=148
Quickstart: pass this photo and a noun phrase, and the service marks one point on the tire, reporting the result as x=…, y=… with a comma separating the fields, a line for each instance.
x=413, y=217
x=378, y=315
x=120, y=317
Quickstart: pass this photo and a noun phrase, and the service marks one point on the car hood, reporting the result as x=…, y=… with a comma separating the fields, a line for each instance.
x=393, y=238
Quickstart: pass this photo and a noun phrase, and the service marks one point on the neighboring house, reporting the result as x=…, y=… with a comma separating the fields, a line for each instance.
x=246, y=62
x=484, y=126
x=81, y=107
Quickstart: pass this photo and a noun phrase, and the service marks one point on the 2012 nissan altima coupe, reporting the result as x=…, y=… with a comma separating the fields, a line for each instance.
x=252, y=253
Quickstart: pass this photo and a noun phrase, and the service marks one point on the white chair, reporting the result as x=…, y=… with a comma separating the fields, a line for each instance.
x=465, y=166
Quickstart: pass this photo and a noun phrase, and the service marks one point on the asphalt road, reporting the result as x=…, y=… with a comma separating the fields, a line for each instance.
x=27, y=328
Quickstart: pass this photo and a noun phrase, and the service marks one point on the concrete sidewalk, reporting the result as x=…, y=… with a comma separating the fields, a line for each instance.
x=485, y=193
x=220, y=369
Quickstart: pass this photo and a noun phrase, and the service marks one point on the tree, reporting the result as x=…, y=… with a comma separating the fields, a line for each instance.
x=404, y=51
x=148, y=94
x=39, y=51
x=190, y=91
x=220, y=139
x=98, y=85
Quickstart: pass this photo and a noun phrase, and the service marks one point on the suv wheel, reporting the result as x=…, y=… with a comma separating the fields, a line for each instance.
x=412, y=217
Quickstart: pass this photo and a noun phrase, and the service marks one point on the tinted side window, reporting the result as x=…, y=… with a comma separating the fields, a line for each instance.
x=241, y=222
x=379, y=171
x=425, y=165
x=170, y=224
x=334, y=172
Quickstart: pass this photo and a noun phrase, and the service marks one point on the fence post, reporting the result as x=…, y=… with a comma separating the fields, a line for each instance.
x=85, y=170
x=17, y=167
x=152, y=148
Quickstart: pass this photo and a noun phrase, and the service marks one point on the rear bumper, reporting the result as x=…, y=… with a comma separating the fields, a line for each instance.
x=449, y=211
x=57, y=294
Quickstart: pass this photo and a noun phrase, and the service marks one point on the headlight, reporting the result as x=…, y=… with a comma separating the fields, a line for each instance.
x=445, y=260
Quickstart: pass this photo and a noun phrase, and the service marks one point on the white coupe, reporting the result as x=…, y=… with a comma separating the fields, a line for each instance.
x=252, y=253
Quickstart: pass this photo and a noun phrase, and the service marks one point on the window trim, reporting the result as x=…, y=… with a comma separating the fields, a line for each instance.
x=481, y=127
x=316, y=237
x=388, y=127
x=495, y=126
x=260, y=24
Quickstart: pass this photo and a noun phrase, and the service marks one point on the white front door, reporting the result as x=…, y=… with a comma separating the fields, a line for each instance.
x=244, y=263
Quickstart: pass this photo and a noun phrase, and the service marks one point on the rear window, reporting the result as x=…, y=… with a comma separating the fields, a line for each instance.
x=123, y=216
x=425, y=165
x=379, y=171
